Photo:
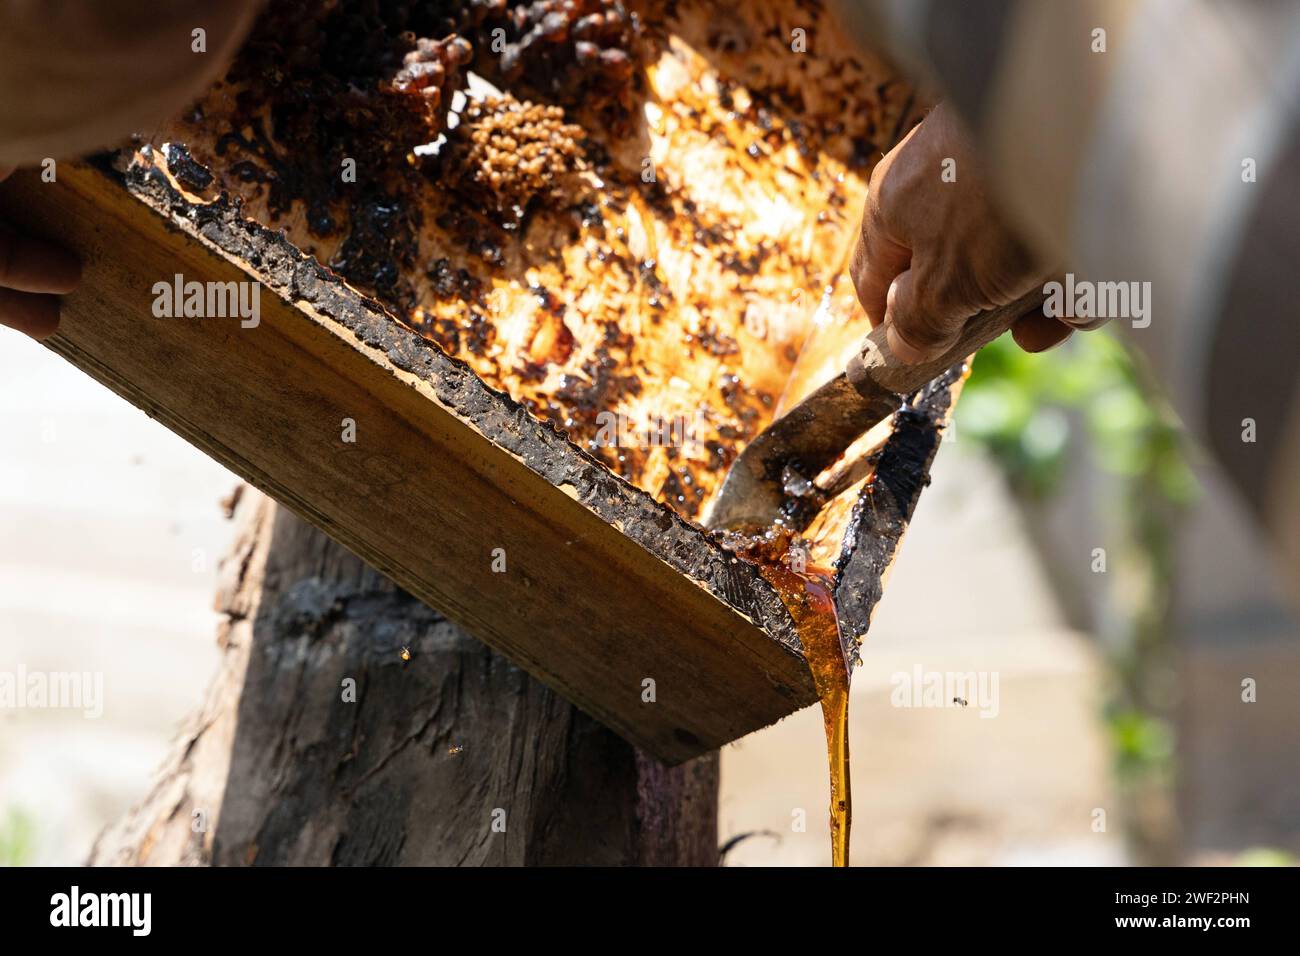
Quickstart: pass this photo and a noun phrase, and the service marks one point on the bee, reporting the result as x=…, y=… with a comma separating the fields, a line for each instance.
x=960, y=700
x=405, y=655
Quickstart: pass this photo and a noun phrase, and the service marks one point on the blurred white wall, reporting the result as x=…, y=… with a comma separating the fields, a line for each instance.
x=110, y=529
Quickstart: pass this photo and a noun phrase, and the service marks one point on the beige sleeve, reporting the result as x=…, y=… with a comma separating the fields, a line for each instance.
x=81, y=75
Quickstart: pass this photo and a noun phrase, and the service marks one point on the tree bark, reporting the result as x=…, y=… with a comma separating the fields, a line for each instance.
x=455, y=757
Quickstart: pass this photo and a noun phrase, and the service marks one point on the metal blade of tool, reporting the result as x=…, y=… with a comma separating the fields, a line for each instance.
x=772, y=479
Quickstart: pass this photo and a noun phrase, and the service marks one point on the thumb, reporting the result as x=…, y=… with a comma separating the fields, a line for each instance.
x=916, y=334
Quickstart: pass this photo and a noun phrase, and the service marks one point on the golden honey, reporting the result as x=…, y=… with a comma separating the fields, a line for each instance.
x=808, y=594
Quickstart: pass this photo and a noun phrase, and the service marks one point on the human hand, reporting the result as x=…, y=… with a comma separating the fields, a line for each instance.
x=932, y=253
x=33, y=274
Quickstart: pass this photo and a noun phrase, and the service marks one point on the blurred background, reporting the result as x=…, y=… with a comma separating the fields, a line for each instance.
x=1072, y=544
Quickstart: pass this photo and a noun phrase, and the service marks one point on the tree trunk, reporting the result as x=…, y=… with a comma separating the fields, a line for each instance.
x=319, y=745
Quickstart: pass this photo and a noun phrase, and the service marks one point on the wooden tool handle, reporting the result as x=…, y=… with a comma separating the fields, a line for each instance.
x=875, y=366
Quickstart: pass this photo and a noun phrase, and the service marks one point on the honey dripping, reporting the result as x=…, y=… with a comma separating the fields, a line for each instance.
x=808, y=594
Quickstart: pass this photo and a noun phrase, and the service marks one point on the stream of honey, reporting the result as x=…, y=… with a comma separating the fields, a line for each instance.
x=808, y=594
